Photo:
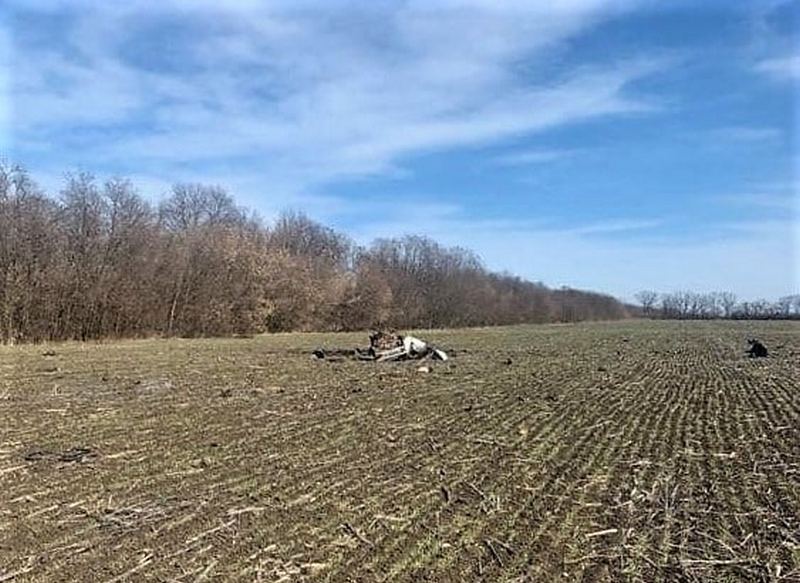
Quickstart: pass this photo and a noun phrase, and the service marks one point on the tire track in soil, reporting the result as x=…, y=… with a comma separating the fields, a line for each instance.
x=555, y=427
x=467, y=472
x=630, y=428
x=650, y=449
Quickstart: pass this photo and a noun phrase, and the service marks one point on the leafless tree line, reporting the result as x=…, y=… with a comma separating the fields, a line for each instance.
x=687, y=305
x=100, y=261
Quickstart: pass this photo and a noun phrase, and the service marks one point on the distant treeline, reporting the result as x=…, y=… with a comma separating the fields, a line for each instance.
x=687, y=305
x=100, y=261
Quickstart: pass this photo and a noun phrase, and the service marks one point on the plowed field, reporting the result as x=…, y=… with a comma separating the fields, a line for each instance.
x=607, y=452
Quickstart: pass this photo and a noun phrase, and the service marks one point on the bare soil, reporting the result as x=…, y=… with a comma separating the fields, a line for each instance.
x=629, y=451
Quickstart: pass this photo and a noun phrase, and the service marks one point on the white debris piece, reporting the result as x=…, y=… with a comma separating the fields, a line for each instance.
x=414, y=346
x=411, y=348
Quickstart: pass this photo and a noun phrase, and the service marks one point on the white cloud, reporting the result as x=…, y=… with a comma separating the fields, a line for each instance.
x=785, y=67
x=615, y=226
x=280, y=99
x=764, y=200
x=746, y=134
x=310, y=92
x=775, y=196
x=532, y=157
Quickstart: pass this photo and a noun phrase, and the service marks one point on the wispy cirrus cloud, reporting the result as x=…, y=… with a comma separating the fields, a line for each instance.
x=533, y=156
x=281, y=101
x=785, y=67
x=299, y=94
x=761, y=200
x=746, y=134
x=783, y=197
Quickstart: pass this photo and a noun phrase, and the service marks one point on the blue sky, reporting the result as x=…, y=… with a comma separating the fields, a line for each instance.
x=610, y=145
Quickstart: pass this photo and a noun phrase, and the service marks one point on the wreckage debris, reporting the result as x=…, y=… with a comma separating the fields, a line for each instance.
x=334, y=354
x=410, y=348
x=75, y=454
x=757, y=349
x=36, y=455
x=381, y=341
x=386, y=347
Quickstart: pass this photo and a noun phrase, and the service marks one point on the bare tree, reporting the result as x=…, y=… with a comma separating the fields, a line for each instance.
x=647, y=299
x=100, y=261
x=788, y=306
x=727, y=302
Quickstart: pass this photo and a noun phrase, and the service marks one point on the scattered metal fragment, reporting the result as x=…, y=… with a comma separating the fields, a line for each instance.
x=75, y=454
x=36, y=455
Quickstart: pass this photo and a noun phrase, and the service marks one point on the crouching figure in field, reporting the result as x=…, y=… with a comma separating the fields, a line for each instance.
x=757, y=349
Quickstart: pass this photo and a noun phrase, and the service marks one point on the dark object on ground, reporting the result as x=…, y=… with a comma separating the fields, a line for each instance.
x=757, y=349
x=336, y=354
x=36, y=455
x=75, y=454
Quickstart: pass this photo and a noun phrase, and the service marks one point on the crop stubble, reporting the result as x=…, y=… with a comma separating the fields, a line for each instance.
x=629, y=451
